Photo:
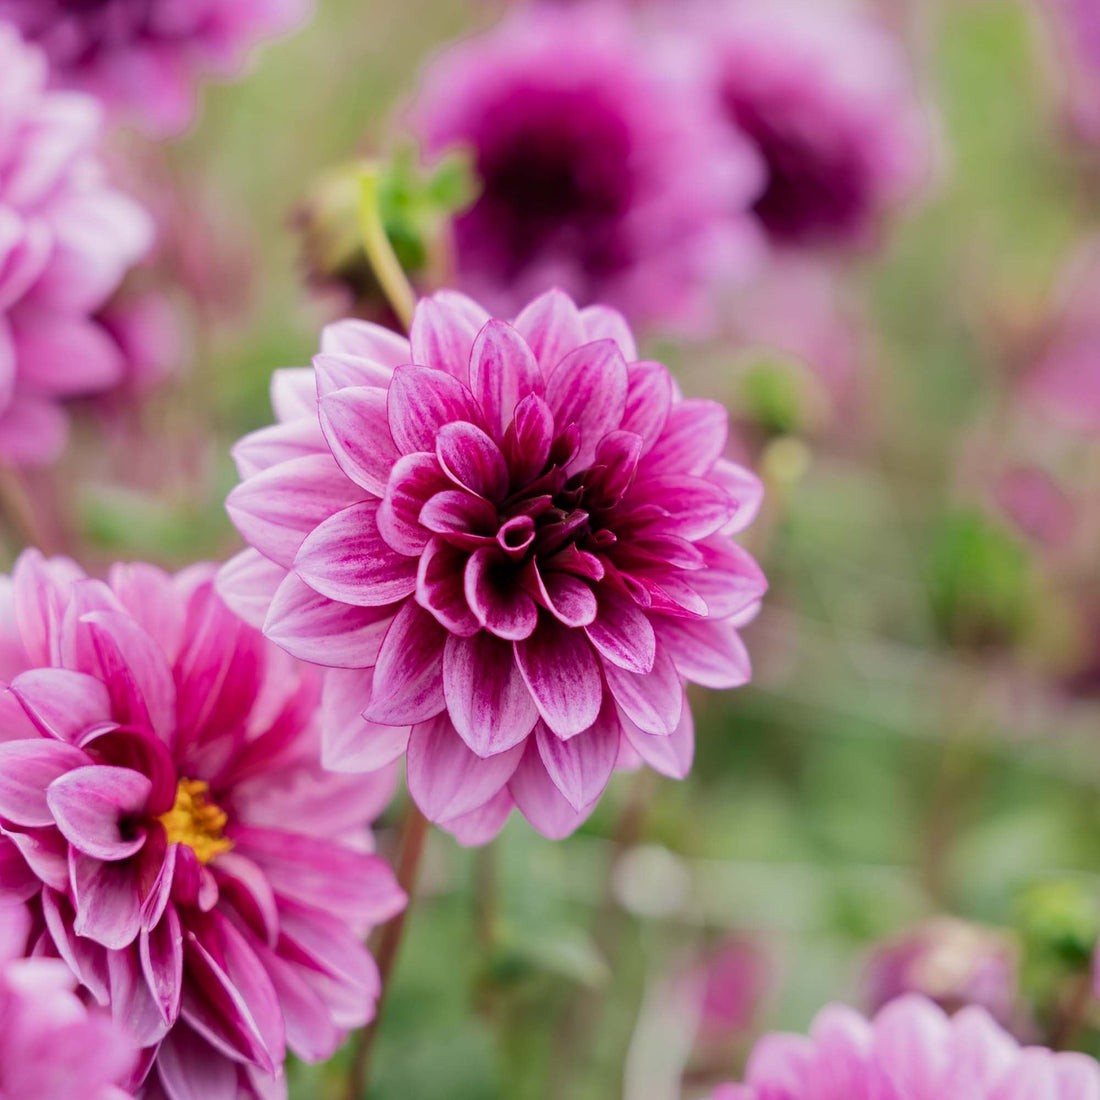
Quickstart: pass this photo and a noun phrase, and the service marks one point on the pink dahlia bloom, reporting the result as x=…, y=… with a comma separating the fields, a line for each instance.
x=51, y=1046
x=164, y=812
x=513, y=542
x=910, y=1051
x=66, y=240
x=144, y=57
x=826, y=96
x=598, y=173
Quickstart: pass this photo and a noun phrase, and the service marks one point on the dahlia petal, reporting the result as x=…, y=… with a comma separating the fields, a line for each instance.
x=648, y=401
x=440, y=587
x=694, y=437
x=605, y=323
x=581, y=766
x=487, y=699
x=365, y=340
x=696, y=508
x=18, y=882
x=315, y=628
x=744, y=488
x=248, y=583
x=540, y=801
x=310, y=1030
x=653, y=702
x=87, y=960
x=497, y=601
x=91, y=804
x=910, y=1042
x=132, y=1003
x=566, y=597
x=669, y=754
x=159, y=893
x=473, y=460
x=332, y=372
x=161, y=950
x=260, y=450
x=552, y=327
x=294, y=394
x=356, y=427
x=588, y=388
x=482, y=825
x=421, y=401
x=189, y=1070
x=151, y=596
x=732, y=581
x=446, y=780
x=62, y=704
x=443, y=331
x=622, y=633
x=465, y=520
x=346, y=559
x=617, y=462
x=276, y=509
x=708, y=652
x=408, y=680
x=562, y=672
x=503, y=371
x=351, y=743
x=27, y=768
x=414, y=480
x=528, y=439
x=106, y=898
x=48, y=348
x=46, y=853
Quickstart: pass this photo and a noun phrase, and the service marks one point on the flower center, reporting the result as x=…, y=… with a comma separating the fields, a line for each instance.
x=196, y=821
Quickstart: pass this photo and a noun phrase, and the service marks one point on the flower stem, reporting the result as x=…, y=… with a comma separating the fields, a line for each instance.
x=414, y=830
x=380, y=254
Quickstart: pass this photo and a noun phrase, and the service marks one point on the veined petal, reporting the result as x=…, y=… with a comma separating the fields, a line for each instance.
x=414, y=480
x=247, y=583
x=421, y=401
x=495, y=596
x=588, y=388
x=552, y=327
x=27, y=768
x=694, y=437
x=440, y=587
x=669, y=754
x=351, y=743
x=356, y=426
x=648, y=401
x=708, y=652
x=472, y=460
x=503, y=371
x=443, y=331
x=654, y=701
x=91, y=805
x=540, y=801
x=622, y=632
x=61, y=703
x=408, y=678
x=107, y=901
x=562, y=672
x=366, y=340
x=581, y=766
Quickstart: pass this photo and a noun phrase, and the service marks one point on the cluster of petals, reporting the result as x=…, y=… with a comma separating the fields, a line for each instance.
x=67, y=238
x=826, y=96
x=164, y=815
x=911, y=1050
x=601, y=169
x=51, y=1046
x=511, y=543
x=144, y=57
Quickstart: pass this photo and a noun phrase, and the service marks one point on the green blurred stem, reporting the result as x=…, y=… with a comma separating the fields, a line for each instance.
x=414, y=831
x=380, y=254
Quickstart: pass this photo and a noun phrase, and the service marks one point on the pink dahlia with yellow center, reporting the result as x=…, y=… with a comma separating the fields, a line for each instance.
x=512, y=542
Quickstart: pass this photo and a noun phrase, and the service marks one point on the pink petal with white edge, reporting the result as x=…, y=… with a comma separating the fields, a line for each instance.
x=648, y=401
x=332, y=372
x=275, y=510
x=472, y=460
x=911, y=1043
x=654, y=701
x=132, y=1003
x=446, y=779
x=484, y=824
x=248, y=583
x=694, y=437
x=622, y=632
x=552, y=327
x=408, y=678
x=259, y=451
x=528, y=440
x=161, y=950
x=293, y=394
x=487, y=699
x=421, y=401
x=744, y=488
x=27, y=768
x=562, y=671
x=62, y=704
x=108, y=905
x=503, y=371
x=366, y=341
x=588, y=388
x=413, y=481
x=346, y=559
x=696, y=507
x=494, y=597
x=323, y=631
x=605, y=323
x=708, y=652
x=440, y=588
x=566, y=597
x=443, y=331
x=189, y=1070
x=356, y=427
x=670, y=754
x=349, y=742
x=540, y=801
x=90, y=806
x=581, y=766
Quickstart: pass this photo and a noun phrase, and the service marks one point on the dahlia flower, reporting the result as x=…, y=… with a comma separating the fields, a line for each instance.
x=66, y=240
x=51, y=1046
x=511, y=543
x=826, y=97
x=910, y=1051
x=164, y=812
x=144, y=57
x=598, y=173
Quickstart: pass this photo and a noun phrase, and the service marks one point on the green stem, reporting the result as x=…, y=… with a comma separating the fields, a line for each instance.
x=380, y=254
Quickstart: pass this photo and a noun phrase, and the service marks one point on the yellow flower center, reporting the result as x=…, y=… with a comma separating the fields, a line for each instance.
x=196, y=821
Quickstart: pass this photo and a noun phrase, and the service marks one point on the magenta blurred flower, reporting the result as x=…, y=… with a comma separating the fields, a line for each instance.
x=144, y=328
x=599, y=173
x=144, y=57
x=1076, y=25
x=1037, y=506
x=951, y=962
x=513, y=541
x=51, y=1046
x=164, y=811
x=826, y=96
x=911, y=1051
x=66, y=240
x=732, y=981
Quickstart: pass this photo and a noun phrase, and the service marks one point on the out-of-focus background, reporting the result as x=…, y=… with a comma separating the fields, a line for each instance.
x=920, y=738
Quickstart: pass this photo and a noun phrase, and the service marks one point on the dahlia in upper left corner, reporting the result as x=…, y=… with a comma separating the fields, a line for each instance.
x=67, y=238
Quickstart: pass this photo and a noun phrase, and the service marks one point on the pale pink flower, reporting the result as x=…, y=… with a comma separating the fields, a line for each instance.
x=513, y=544
x=910, y=1051
x=66, y=240
x=164, y=812
x=145, y=57
x=1076, y=28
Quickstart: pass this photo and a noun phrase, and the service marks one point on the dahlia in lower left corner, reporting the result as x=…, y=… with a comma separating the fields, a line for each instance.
x=164, y=815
